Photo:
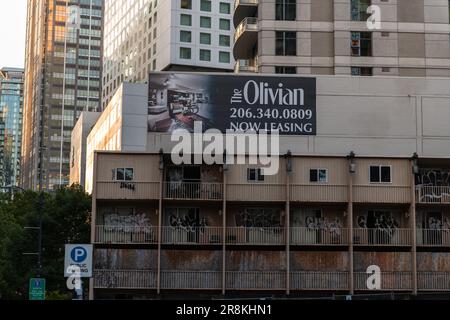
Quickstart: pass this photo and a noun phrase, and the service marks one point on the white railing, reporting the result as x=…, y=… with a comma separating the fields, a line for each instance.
x=256, y=236
x=128, y=190
x=308, y=280
x=435, y=237
x=256, y=192
x=192, y=235
x=126, y=234
x=206, y=280
x=319, y=193
x=382, y=237
x=125, y=279
x=193, y=190
x=246, y=66
x=248, y=24
x=394, y=281
x=330, y=236
x=245, y=2
x=433, y=194
x=256, y=280
x=433, y=281
x=381, y=194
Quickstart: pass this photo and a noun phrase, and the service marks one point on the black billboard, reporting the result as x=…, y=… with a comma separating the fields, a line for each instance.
x=232, y=103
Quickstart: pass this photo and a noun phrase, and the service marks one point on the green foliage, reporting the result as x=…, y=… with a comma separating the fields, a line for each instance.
x=66, y=219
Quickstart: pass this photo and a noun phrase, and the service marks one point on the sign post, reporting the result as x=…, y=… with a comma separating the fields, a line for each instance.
x=37, y=289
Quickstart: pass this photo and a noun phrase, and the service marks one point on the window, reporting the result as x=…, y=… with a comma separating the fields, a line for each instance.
x=286, y=70
x=124, y=174
x=255, y=175
x=362, y=71
x=185, y=53
x=359, y=10
x=361, y=44
x=205, y=38
x=186, y=20
x=205, y=22
x=380, y=174
x=285, y=10
x=224, y=57
x=224, y=40
x=205, y=5
x=185, y=36
x=224, y=8
x=205, y=55
x=224, y=24
x=318, y=175
x=286, y=43
x=186, y=4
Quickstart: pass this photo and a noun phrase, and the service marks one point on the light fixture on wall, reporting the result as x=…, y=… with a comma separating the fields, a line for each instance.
x=415, y=160
x=352, y=166
x=161, y=159
x=289, y=161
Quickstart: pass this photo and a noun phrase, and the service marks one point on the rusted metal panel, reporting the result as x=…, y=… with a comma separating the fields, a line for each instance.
x=184, y=260
x=320, y=261
x=256, y=261
x=125, y=259
x=387, y=261
x=433, y=261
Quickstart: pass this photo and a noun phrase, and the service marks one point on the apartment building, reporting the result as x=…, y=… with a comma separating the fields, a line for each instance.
x=368, y=188
x=332, y=37
x=152, y=35
x=62, y=79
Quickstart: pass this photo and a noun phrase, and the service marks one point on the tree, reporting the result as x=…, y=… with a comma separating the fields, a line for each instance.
x=66, y=219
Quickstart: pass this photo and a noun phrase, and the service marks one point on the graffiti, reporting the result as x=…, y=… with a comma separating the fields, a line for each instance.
x=129, y=186
x=321, y=223
x=433, y=178
x=437, y=224
x=128, y=224
x=258, y=218
x=188, y=223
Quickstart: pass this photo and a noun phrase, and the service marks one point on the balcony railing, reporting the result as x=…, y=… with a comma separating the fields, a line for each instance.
x=440, y=238
x=256, y=280
x=382, y=237
x=319, y=193
x=256, y=236
x=194, y=280
x=193, y=191
x=308, y=280
x=128, y=190
x=433, y=194
x=125, y=279
x=390, y=281
x=256, y=192
x=381, y=194
x=433, y=281
x=246, y=66
x=248, y=24
x=192, y=235
x=126, y=235
x=330, y=236
x=237, y=3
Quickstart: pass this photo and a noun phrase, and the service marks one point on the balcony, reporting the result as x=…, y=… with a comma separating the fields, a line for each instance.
x=125, y=279
x=308, y=280
x=256, y=236
x=382, y=237
x=192, y=235
x=256, y=192
x=243, y=9
x=433, y=194
x=126, y=235
x=128, y=190
x=433, y=281
x=256, y=280
x=319, y=193
x=192, y=280
x=193, y=191
x=390, y=281
x=381, y=194
x=245, y=39
x=246, y=66
x=319, y=237
x=433, y=238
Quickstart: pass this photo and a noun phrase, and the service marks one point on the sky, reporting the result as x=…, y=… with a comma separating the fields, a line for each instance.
x=13, y=16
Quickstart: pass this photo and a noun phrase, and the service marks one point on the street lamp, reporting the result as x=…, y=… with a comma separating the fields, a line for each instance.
x=351, y=157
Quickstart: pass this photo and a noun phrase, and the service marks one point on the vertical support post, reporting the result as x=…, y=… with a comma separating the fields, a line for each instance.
x=351, y=172
x=93, y=218
x=413, y=224
x=160, y=214
x=288, y=221
x=224, y=232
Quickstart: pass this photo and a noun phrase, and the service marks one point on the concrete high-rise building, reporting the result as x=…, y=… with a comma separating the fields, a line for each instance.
x=150, y=35
x=332, y=37
x=62, y=79
x=11, y=104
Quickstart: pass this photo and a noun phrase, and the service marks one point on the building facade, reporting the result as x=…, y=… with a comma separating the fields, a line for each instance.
x=62, y=79
x=152, y=35
x=332, y=37
x=11, y=107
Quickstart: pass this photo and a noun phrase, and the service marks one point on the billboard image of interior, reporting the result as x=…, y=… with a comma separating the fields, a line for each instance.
x=233, y=103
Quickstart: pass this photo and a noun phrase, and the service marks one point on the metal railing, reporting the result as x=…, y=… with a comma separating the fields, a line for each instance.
x=330, y=236
x=256, y=280
x=246, y=66
x=193, y=190
x=382, y=237
x=256, y=236
x=435, y=237
x=319, y=193
x=206, y=280
x=128, y=190
x=245, y=2
x=125, y=279
x=192, y=235
x=392, y=281
x=248, y=24
x=381, y=194
x=256, y=192
x=126, y=234
x=433, y=281
x=433, y=194
x=309, y=280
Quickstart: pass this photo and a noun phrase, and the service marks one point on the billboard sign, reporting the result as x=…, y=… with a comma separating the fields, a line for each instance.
x=233, y=103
